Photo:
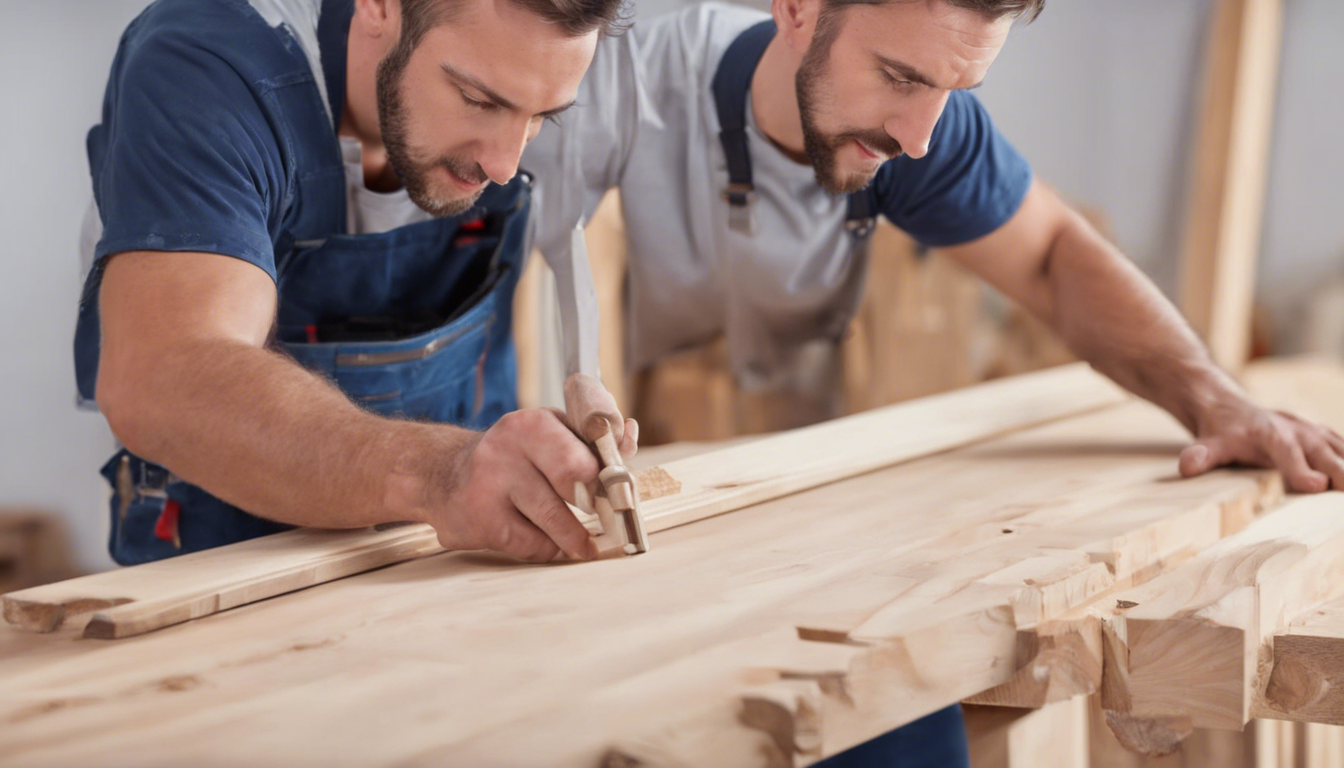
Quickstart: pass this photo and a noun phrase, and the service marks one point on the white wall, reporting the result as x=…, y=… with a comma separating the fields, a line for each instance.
x=54, y=59
x=1097, y=93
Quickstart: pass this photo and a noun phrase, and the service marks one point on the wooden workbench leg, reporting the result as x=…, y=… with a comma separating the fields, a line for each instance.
x=1054, y=736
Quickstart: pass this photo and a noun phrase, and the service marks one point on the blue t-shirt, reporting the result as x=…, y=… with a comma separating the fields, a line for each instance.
x=970, y=182
x=214, y=136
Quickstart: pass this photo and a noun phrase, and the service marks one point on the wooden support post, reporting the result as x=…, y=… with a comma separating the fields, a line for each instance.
x=1227, y=186
x=1055, y=736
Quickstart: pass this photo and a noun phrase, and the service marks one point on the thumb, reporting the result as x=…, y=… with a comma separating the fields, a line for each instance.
x=1202, y=456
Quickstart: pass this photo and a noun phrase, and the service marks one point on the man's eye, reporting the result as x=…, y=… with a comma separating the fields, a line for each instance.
x=482, y=105
x=895, y=81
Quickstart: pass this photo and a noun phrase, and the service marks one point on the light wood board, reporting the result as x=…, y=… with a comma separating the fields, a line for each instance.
x=134, y=600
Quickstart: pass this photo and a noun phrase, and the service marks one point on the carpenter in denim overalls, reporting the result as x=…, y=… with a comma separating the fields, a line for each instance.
x=411, y=323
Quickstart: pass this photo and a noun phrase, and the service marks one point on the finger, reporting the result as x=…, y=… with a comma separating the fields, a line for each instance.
x=630, y=444
x=561, y=457
x=1324, y=459
x=1204, y=455
x=1335, y=441
x=1289, y=458
x=517, y=537
x=539, y=503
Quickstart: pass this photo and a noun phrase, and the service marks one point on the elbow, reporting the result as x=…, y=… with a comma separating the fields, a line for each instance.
x=123, y=401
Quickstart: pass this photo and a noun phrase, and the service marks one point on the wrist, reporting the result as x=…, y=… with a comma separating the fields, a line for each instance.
x=1210, y=393
x=420, y=465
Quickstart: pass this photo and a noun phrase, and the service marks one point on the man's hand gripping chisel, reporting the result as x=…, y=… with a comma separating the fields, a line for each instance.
x=592, y=411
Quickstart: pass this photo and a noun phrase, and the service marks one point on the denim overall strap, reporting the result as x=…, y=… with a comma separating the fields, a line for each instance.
x=730, y=85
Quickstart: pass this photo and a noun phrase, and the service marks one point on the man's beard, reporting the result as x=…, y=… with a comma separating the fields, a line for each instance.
x=822, y=148
x=411, y=167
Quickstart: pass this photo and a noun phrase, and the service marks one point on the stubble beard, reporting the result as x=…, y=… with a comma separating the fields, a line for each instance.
x=822, y=148
x=412, y=167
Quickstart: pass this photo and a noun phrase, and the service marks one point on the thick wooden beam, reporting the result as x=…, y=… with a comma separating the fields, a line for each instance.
x=1306, y=679
x=1188, y=649
x=1227, y=186
x=1135, y=538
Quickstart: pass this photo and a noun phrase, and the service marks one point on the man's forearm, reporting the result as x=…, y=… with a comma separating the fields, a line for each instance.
x=1113, y=316
x=252, y=427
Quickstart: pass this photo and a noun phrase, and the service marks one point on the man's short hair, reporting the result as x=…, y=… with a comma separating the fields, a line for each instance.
x=1027, y=10
x=574, y=17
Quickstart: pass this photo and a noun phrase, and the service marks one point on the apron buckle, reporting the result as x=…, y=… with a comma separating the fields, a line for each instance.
x=741, y=198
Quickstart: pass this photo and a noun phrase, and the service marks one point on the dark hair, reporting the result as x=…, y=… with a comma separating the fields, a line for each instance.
x=828, y=24
x=575, y=17
x=1027, y=10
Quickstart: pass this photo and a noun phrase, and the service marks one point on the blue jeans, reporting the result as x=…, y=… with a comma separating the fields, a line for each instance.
x=934, y=741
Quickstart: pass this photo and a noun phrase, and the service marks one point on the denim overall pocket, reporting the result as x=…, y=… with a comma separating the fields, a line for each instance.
x=461, y=372
x=414, y=323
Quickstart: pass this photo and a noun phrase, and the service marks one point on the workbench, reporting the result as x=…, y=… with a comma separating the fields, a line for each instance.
x=776, y=634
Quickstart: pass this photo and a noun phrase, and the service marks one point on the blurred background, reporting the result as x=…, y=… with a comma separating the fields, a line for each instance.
x=1100, y=95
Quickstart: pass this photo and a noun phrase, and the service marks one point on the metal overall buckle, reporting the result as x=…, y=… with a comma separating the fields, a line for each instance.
x=741, y=199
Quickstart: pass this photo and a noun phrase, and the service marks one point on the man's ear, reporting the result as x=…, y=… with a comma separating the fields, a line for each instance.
x=796, y=21
x=378, y=18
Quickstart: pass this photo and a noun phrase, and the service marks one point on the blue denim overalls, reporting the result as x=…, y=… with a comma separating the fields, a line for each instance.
x=413, y=323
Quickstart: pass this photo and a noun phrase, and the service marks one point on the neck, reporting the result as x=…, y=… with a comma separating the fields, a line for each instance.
x=359, y=115
x=774, y=100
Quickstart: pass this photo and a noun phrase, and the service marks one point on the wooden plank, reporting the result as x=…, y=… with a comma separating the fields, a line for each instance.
x=202, y=583
x=1231, y=157
x=135, y=600
x=1186, y=649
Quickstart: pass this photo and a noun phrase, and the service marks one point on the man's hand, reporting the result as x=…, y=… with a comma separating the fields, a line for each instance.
x=507, y=491
x=1310, y=455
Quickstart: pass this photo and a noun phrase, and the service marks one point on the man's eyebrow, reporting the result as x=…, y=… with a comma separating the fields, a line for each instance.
x=492, y=96
x=914, y=75
x=553, y=112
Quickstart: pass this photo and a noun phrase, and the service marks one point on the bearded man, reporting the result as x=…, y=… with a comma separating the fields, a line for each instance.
x=306, y=235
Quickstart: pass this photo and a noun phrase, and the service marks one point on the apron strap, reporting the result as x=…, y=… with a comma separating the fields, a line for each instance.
x=730, y=85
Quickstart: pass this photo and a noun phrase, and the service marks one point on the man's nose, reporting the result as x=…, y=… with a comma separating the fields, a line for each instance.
x=503, y=149
x=913, y=126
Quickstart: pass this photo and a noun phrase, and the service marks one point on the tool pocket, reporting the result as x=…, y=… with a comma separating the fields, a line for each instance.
x=155, y=515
